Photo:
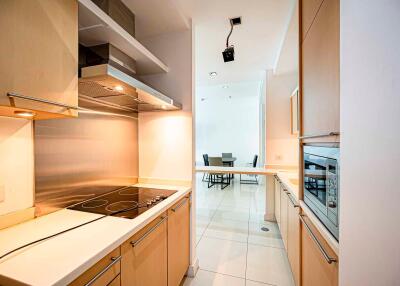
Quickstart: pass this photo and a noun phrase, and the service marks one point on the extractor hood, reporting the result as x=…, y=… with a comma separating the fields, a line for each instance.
x=110, y=80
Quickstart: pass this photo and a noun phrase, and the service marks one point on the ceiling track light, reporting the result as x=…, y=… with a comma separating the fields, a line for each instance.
x=229, y=52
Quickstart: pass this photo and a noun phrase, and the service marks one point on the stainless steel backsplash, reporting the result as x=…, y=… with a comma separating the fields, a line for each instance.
x=77, y=159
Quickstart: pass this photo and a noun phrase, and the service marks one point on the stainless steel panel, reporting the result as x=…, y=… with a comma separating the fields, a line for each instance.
x=77, y=159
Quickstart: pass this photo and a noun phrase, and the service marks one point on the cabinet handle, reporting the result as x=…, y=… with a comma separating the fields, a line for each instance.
x=319, y=245
x=137, y=242
x=179, y=205
x=113, y=261
x=13, y=94
x=320, y=135
x=292, y=200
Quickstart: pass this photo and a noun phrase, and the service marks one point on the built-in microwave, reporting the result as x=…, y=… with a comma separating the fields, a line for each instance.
x=321, y=184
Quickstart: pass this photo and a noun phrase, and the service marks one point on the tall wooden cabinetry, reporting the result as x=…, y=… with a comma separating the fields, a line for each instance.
x=39, y=56
x=320, y=63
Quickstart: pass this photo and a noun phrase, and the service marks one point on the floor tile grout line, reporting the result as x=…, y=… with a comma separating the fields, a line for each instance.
x=224, y=274
x=215, y=211
x=247, y=248
x=265, y=283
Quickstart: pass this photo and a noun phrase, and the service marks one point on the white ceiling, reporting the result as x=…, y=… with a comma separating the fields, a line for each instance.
x=155, y=17
x=257, y=41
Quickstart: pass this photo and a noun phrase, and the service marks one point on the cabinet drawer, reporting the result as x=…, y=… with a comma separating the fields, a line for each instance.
x=319, y=263
x=103, y=272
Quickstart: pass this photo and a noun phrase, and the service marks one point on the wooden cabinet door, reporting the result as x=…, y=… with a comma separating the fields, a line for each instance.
x=39, y=55
x=284, y=217
x=144, y=256
x=320, y=65
x=315, y=270
x=277, y=196
x=178, y=241
x=309, y=9
x=294, y=239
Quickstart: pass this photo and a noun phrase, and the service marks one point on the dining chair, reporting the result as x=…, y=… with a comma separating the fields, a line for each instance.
x=251, y=181
x=215, y=177
x=206, y=176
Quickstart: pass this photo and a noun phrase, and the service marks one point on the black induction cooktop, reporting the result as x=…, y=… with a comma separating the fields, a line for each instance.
x=126, y=202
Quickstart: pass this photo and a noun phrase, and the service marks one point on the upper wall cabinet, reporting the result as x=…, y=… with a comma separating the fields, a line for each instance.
x=320, y=64
x=294, y=112
x=39, y=62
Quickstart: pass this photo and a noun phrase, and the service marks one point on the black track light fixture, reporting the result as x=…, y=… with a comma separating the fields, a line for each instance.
x=229, y=52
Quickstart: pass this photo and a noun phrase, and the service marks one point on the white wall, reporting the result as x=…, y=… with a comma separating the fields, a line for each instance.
x=227, y=120
x=16, y=164
x=370, y=143
x=281, y=146
x=165, y=138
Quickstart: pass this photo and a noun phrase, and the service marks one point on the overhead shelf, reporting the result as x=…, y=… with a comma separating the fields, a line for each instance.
x=96, y=27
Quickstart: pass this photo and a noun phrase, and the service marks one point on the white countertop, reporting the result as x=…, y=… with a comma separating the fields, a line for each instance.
x=59, y=260
x=287, y=178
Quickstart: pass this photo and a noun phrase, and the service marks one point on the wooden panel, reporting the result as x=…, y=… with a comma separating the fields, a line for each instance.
x=320, y=73
x=277, y=202
x=105, y=278
x=309, y=9
x=178, y=241
x=146, y=263
x=294, y=241
x=116, y=281
x=284, y=218
x=315, y=270
x=42, y=53
x=294, y=113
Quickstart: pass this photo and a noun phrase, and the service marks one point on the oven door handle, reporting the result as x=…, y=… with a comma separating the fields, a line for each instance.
x=315, y=239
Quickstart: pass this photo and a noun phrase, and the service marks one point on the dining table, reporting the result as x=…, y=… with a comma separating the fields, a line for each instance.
x=229, y=160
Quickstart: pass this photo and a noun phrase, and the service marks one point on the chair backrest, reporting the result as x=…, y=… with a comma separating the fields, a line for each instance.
x=215, y=161
x=226, y=155
x=255, y=161
x=205, y=158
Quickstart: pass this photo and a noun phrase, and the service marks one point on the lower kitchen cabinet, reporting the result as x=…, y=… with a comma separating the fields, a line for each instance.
x=293, y=239
x=277, y=196
x=317, y=268
x=284, y=217
x=103, y=273
x=178, y=241
x=144, y=256
x=287, y=210
x=157, y=255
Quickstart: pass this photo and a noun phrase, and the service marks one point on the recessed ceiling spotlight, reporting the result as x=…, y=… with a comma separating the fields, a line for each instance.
x=163, y=106
x=225, y=86
x=118, y=88
x=213, y=74
x=25, y=114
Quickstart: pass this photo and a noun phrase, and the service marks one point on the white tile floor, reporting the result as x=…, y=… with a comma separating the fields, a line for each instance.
x=231, y=247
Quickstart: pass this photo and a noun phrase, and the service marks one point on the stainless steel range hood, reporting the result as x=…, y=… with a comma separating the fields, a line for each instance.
x=110, y=85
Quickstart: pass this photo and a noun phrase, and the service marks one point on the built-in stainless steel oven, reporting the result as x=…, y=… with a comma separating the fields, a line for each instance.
x=321, y=184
